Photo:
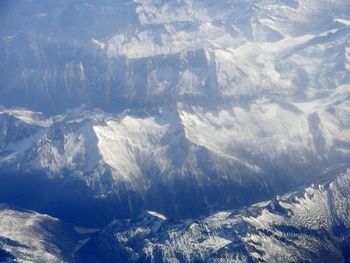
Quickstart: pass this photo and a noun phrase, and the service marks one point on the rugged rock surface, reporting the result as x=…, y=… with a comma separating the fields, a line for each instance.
x=310, y=225
x=180, y=162
x=26, y=236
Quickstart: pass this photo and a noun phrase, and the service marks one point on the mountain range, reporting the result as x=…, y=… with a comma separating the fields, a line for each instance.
x=174, y=120
x=308, y=224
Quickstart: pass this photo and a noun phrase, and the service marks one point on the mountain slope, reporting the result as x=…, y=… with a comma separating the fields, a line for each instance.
x=26, y=236
x=217, y=99
x=134, y=54
x=310, y=225
x=190, y=157
x=192, y=106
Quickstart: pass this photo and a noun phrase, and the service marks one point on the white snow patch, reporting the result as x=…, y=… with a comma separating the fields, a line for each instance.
x=158, y=215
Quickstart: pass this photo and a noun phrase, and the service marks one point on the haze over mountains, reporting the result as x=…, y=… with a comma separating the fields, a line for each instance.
x=114, y=108
x=73, y=52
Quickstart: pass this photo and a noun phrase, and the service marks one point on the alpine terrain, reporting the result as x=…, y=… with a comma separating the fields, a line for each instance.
x=157, y=131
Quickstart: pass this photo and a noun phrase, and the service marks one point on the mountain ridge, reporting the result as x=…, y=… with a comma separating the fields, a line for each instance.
x=154, y=113
x=140, y=155
x=282, y=229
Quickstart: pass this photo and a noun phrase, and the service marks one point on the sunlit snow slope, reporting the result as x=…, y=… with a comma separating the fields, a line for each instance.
x=26, y=236
x=211, y=104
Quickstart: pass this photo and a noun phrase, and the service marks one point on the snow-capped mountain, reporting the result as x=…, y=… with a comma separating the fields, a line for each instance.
x=137, y=54
x=187, y=156
x=310, y=225
x=190, y=106
x=26, y=236
x=306, y=225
